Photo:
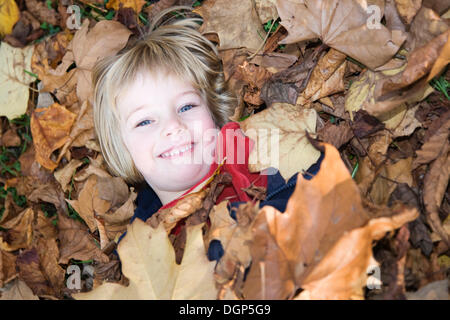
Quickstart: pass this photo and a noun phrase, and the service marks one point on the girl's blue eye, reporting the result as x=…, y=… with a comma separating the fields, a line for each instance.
x=143, y=123
x=186, y=108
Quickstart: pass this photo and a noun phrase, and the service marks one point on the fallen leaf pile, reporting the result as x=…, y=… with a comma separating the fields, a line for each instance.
x=363, y=82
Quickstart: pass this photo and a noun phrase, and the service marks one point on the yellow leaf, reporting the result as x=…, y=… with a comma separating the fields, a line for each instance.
x=280, y=139
x=148, y=261
x=14, y=80
x=136, y=5
x=9, y=14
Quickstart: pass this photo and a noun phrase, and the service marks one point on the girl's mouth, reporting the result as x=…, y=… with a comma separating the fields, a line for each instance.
x=178, y=152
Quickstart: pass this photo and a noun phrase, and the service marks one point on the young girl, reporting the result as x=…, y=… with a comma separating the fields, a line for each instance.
x=158, y=110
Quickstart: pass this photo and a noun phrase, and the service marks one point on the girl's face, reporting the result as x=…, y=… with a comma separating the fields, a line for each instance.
x=169, y=132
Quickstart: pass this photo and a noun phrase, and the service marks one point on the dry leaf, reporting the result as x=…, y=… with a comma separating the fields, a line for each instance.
x=433, y=147
x=266, y=9
x=84, y=204
x=39, y=268
x=342, y=25
x=106, y=38
x=182, y=209
x=9, y=15
x=341, y=275
x=234, y=236
x=20, y=233
x=10, y=139
x=14, y=81
x=236, y=22
x=76, y=242
x=116, y=222
x=18, y=291
x=148, y=261
x=136, y=5
x=44, y=14
x=65, y=174
x=327, y=77
x=280, y=139
x=50, y=128
x=435, y=185
x=291, y=250
x=7, y=267
x=426, y=26
x=408, y=9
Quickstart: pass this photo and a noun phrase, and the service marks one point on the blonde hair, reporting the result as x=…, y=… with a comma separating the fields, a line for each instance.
x=176, y=47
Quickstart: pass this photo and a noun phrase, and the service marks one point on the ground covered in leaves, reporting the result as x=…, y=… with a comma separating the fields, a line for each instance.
x=365, y=82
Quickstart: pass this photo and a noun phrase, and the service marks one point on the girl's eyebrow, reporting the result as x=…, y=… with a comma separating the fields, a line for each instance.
x=176, y=97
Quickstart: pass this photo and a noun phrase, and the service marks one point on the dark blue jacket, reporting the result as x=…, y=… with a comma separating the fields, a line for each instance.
x=277, y=196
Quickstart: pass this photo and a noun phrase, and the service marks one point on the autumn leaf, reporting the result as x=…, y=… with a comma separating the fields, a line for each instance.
x=288, y=247
x=342, y=276
x=136, y=5
x=408, y=9
x=7, y=267
x=76, y=242
x=9, y=14
x=327, y=77
x=287, y=125
x=14, y=81
x=182, y=209
x=20, y=233
x=236, y=22
x=342, y=25
x=18, y=291
x=87, y=47
x=39, y=268
x=148, y=260
x=235, y=237
x=50, y=128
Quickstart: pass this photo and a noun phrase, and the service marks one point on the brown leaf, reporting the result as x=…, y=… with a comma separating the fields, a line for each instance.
x=20, y=233
x=114, y=190
x=408, y=9
x=136, y=5
x=44, y=227
x=50, y=128
x=326, y=78
x=365, y=125
x=383, y=185
x=106, y=38
x=183, y=208
x=42, y=12
x=10, y=138
x=82, y=130
x=116, y=222
x=288, y=245
x=285, y=85
x=235, y=21
x=235, y=237
x=435, y=184
x=341, y=25
x=18, y=291
x=7, y=267
x=287, y=126
x=426, y=26
x=342, y=276
x=39, y=275
x=64, y=175
x=434, y=147
x=76, y=242
x=337, y=135
x=84, y=204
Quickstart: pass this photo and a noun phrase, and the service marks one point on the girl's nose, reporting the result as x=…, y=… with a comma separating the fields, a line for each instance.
x=174, y=127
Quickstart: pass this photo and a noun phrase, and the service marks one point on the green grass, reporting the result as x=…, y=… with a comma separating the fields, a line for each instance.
x=441, y=84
